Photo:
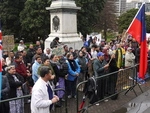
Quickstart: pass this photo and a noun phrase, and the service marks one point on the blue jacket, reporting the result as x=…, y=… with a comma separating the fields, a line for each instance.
x=35, y=67
x=72, y=74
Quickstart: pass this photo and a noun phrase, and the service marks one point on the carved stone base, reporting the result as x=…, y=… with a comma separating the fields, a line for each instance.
x=72, y=40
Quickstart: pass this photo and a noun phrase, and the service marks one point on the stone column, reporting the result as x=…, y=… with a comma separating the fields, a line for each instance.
x=63, y=14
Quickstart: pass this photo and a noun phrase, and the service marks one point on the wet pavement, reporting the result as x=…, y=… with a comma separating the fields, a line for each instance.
x=128, y=103
x=140, y=104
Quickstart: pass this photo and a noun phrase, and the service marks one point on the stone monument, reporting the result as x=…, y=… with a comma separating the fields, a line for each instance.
x=63, y=23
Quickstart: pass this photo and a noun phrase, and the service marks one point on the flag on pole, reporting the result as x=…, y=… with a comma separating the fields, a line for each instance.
x=0, y=60
x=137, y=29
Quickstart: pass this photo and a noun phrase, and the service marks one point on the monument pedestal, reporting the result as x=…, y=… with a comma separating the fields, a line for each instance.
x=63, y=14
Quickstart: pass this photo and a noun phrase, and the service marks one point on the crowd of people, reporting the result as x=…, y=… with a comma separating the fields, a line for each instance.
x=35, y=71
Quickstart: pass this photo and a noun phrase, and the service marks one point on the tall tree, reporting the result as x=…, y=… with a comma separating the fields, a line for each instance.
x=35, y=19
x=88, y=14
x=107, y=18
x=9, y=15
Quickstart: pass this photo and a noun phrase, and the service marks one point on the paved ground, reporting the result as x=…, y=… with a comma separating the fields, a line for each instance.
x=112, y=106
x=123, y=104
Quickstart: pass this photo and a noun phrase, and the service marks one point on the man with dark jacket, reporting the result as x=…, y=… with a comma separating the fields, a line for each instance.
x=100, y=68
x=38, y=52
x=30, y=53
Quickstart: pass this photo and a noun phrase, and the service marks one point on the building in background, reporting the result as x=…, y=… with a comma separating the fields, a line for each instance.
x=131, y=5
x=136, y=4
x=120, y=7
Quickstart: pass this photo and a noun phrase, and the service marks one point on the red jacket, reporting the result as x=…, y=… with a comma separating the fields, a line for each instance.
x=21, y=68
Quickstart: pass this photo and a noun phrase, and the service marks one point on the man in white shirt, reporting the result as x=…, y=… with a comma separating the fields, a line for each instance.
x=43, y=98
x=94, y=52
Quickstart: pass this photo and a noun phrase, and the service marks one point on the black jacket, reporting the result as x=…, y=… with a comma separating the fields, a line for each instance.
x=14, y=84
x=30, y=54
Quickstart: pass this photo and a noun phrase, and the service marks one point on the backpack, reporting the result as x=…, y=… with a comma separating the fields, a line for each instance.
x=63, y=67
x=90, y=90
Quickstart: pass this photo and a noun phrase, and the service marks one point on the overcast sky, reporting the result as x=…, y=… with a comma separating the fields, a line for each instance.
x=137, y=0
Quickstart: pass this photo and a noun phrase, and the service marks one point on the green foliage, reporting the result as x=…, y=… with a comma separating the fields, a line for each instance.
x=107, y=19
x=35, y=19
x=125, y=19
x=9, y=15
x=88, y=14
x=29, y=18
x=110, y=36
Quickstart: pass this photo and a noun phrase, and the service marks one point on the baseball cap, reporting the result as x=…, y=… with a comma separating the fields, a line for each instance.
x=21, y=40
x=129, y=48
x=100, y=54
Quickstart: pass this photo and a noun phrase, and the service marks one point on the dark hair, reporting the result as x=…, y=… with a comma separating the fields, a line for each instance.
x=52, y=56
x=65, y=46
x=68, y=55
x=88, y=50
x=70, y=48
x=17, y=56
x=37, y=48
x=95, y=46
x=37, y=56
x=44, y=70
x=83, y=47
x=45, y=58
x=57, y=38
x=80, y=51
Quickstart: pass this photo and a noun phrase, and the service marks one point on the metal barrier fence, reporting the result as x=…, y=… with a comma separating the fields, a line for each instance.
x=26, y=103
x=108, y=86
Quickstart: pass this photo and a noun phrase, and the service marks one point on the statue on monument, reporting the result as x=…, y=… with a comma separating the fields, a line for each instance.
x=56, y=23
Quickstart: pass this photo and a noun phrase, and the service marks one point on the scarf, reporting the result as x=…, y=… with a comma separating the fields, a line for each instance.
x=72, y=64
x=119, y=58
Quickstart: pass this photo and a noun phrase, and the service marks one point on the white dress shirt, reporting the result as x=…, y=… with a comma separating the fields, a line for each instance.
x=94, y=54
x=40, y=102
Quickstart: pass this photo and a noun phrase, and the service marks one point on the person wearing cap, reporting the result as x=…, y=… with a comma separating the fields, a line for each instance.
x=100, y=68
x=21, y=46
x=129, y=58
x=129, y=61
